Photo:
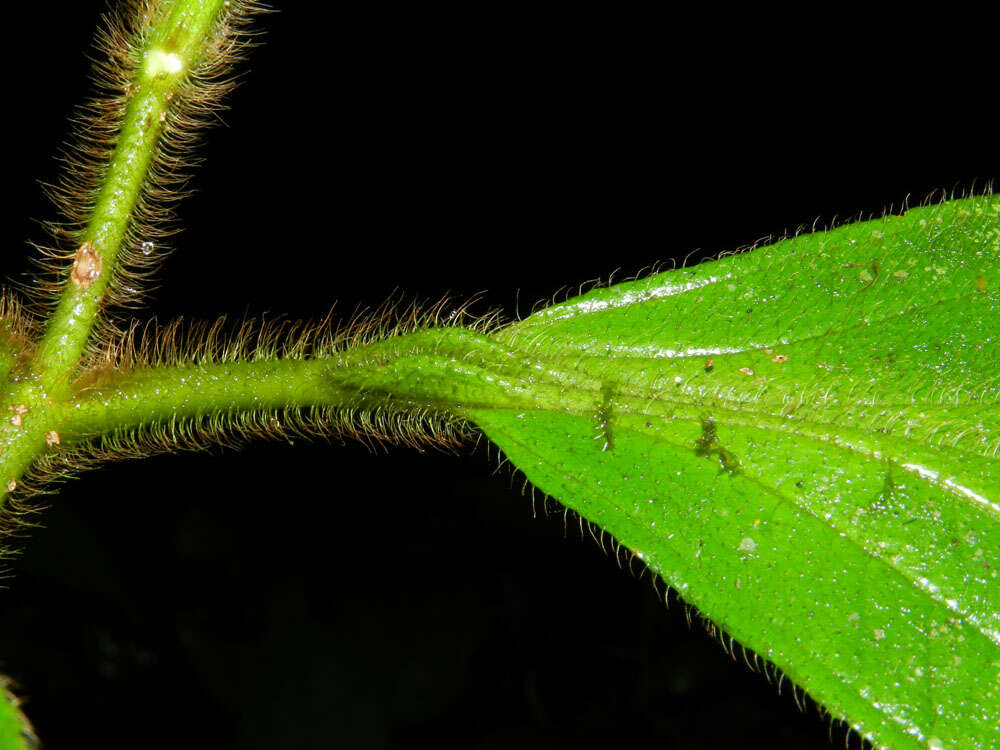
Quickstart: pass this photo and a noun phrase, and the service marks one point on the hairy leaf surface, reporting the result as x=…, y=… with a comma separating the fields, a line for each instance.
x=802, y=440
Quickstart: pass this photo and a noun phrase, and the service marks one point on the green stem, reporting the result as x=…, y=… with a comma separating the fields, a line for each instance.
x=175, y=45
x=439, y=370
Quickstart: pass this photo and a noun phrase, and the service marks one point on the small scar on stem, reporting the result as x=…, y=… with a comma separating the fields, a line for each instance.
x=86, y=266
x=19, y=411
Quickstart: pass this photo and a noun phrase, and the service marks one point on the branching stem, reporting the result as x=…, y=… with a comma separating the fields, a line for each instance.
x=175, y=39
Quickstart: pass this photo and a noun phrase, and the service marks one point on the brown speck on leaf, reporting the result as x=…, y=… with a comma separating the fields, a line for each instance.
x=746, y=371
x=980, y=284
x=768, y=352
x=163, y=116
x=709, y=364
x=51, y=438
x=780, y=358
x=86, y=266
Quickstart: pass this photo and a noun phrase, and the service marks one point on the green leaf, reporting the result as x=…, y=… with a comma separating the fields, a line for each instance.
x=15, y=730
x=801, y=440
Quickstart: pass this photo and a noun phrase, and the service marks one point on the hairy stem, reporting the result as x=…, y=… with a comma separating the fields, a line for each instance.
x=440, y=371
x=174, y=36
x=174, y=45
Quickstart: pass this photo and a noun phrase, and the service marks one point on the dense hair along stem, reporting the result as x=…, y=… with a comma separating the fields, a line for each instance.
x=160, y=63
x=162, y=70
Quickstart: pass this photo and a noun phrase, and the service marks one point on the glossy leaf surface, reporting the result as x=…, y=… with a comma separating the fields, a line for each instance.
x=802, y=440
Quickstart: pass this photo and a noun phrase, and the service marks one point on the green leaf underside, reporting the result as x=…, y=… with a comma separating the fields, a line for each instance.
x=826, y=489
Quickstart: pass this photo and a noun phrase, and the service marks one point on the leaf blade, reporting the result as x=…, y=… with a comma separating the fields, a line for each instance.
x=849, y=410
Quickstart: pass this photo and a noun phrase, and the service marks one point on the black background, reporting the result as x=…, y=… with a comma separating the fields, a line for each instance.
x=322, y=595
